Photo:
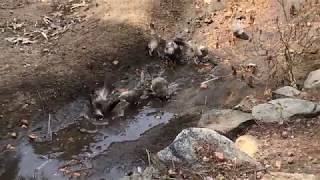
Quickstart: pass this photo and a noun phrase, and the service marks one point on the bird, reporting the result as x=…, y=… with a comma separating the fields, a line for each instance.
x=159, y=87
x=103, y=100
x=238, y=30
x=156, y=43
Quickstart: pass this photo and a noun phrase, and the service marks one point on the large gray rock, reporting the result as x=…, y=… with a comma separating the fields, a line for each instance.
x=223, y=120
x=287, y=91
x=313, y=80
x=282, y=109
x=184, y=148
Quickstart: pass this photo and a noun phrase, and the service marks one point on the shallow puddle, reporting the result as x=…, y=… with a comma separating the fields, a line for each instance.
x=72, y=151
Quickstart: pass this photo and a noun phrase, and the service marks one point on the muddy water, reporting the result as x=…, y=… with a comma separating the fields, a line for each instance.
x=97, y=150
x=73, y=150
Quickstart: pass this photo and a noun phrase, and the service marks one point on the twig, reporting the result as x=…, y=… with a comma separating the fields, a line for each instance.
x=149, y=159
x=215, y=78
x=49, y=133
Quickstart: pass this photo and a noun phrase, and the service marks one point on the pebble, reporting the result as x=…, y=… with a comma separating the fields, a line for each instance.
x=204, y=86
x=25, y=122
x=115, y=62
x=285, y=134
x=10, y=147
x=205, y=159
x=13, y=135
x=290, y=160
x=32, y=136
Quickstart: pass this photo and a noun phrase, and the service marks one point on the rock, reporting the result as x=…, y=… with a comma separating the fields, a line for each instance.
x=285, y=134
x=313, y=80
x=13, y=135
x=282, y=109
x=223, y=120
x=247, y=144
x=291, y=176
x=287, y=91
x=184, y=148
x=247, y=104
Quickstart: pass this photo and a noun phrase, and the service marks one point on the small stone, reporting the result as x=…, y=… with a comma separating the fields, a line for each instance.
x=24, y=126
x=278, y=164
x=13, y=135
x=290, y=160
x=308, y=24
x=32, y=136
x=10, y=147
x=24, y=122
x=205, y=159
x=158, y=117
x=285, y=134
x=115, y=62
x=76, y=174
x=204, y=86
x=219, y=156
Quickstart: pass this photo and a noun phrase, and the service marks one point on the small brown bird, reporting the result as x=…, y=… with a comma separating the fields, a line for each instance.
x=159, y=87
x=156, y=43
x=103, y=100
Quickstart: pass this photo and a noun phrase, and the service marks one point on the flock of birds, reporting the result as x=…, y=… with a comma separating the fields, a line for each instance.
x=175, y=51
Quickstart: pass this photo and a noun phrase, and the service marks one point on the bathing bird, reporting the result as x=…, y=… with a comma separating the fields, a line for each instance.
x=103, y=100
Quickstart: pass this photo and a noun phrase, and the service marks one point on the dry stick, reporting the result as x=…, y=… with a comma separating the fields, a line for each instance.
x=205, y=100
x=215, y=78
x=149, y=159
x=49, y=133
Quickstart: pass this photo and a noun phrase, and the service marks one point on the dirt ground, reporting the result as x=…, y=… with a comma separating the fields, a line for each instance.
x=62, y=50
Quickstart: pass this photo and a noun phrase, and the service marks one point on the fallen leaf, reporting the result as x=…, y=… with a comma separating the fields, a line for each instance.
x=219, y=156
